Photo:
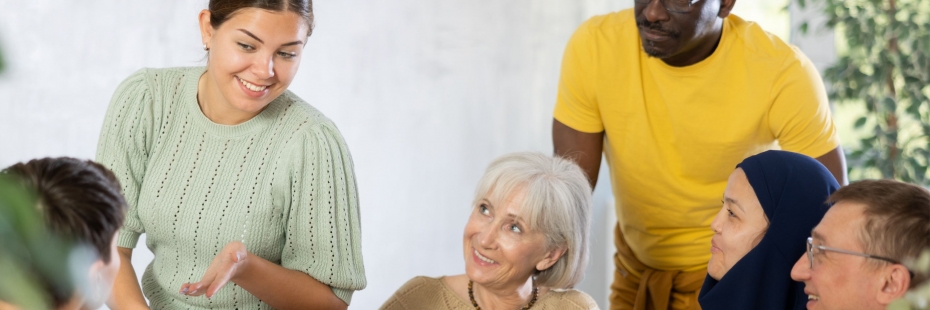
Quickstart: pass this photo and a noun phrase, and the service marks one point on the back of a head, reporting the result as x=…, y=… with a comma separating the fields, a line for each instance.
x=79, y=200
x=897, y=223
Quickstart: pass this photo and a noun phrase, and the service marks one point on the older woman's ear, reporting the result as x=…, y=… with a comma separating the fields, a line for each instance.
x=551, y=258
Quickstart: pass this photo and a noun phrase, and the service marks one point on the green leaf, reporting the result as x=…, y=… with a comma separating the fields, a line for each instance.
x=860, y=122
x=921, y=174
x=889, y=104
x=914, y=109
x=28, y=245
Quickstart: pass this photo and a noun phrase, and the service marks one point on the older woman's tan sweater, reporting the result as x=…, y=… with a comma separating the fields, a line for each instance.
x=433, y=293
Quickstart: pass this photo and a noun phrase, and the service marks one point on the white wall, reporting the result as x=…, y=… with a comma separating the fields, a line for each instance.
x=426, y=93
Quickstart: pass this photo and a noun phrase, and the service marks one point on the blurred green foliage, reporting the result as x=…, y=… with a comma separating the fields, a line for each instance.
x=883, y=66
x=2, y=63
x=32, y=259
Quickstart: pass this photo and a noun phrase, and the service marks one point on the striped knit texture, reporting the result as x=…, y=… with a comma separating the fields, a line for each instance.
x=431, y=293
x=282, y=183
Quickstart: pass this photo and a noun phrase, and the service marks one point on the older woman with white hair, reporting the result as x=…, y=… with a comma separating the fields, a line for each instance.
x=525, y=244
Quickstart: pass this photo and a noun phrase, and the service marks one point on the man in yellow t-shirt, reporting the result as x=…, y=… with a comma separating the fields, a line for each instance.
x=676, y=93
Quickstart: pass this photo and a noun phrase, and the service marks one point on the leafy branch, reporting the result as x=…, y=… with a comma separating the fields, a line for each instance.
x=883, y=66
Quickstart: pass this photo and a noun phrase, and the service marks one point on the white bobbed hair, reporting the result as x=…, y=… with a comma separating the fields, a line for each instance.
x=557, y=203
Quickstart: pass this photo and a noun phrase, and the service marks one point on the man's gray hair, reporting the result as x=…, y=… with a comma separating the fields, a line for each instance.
x=557, y=203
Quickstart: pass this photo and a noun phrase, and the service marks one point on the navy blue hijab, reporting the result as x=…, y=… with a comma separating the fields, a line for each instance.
x=793, y=191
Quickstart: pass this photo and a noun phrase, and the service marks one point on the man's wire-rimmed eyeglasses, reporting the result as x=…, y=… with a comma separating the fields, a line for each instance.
x=817, y=249
x=674, y=6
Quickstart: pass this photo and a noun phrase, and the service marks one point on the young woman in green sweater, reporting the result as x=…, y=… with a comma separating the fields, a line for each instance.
x=246, y=193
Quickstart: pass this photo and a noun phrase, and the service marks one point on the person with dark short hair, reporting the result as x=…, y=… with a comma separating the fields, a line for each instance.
x=675, y=93
x=80, y=202
x=854, y=256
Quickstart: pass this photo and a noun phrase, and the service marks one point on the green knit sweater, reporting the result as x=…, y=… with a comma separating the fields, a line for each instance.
x=282, y=183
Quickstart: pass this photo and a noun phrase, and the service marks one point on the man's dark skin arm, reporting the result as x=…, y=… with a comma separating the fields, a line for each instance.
x=582, y=147
x=835, y=161
x=585, y=149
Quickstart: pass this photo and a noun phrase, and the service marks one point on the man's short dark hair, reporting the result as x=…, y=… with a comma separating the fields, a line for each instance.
x=897, y=223
x=80, y=200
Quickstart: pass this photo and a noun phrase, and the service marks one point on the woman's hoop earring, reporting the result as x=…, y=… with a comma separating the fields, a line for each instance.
x=205, y=47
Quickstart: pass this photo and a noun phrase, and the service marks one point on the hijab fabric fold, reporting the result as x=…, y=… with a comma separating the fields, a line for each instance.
x=793, y=190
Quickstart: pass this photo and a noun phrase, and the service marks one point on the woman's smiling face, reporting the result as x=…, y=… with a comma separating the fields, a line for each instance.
x=738, y=227
x=253, y=57
x=500, y=250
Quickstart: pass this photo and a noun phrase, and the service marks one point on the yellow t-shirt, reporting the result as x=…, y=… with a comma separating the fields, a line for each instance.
x=674, y=134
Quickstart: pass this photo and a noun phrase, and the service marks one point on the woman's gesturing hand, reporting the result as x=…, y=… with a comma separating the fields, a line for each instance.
x=226, y=266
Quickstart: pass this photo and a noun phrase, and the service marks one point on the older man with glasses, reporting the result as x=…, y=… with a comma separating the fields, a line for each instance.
x=854, y=255
x=676, y=93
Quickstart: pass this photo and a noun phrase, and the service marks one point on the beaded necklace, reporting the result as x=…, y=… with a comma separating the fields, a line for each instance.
x=471, y=295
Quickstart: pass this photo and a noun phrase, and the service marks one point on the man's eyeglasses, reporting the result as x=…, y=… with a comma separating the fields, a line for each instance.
x=818, y=249
x=674, y=6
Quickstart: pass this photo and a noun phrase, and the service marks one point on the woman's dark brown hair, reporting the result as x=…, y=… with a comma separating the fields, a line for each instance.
x=222, y=10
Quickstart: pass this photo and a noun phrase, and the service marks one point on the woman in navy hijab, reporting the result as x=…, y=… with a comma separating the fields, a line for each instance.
x=771, y=203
